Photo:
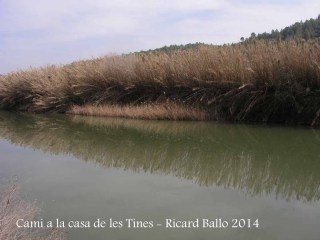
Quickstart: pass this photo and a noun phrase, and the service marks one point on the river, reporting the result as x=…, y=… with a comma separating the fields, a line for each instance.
x=89, y=168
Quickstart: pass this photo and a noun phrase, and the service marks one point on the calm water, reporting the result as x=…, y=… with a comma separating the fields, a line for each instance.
x=81, y=168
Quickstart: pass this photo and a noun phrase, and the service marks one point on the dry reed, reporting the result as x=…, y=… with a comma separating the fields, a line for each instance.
x=150, y=111
x=12, y=209
x=256, y=81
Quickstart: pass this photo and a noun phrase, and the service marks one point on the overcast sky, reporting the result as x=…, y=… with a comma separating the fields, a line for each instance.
x=41, y=32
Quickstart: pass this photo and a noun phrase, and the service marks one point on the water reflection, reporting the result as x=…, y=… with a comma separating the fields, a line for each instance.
x=282, y=162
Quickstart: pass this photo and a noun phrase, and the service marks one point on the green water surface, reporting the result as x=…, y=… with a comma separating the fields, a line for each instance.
x=85, y=168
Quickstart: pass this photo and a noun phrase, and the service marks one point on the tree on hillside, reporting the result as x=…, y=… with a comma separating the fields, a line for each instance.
x=308, y=29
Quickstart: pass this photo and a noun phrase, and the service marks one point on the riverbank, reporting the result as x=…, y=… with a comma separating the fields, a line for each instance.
x=257, y=81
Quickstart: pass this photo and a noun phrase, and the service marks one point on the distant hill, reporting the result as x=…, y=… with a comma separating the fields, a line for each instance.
x=309, y=29
x=171, y=48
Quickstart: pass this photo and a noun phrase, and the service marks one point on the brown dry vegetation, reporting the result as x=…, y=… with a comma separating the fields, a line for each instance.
x=12, y=209
x=259, y=81
x=168, y=111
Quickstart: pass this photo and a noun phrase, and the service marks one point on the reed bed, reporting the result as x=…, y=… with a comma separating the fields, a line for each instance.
x=149, y=112
x=260, y=81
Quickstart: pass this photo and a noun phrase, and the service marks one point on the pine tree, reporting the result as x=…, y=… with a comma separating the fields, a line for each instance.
x=317, y=30
x=307, y=30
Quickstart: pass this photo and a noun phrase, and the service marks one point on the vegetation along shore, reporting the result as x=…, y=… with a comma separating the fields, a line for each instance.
x=12, y=208
x=256, y=80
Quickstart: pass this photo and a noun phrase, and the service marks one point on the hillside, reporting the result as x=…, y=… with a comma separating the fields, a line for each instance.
x=174, y=47
x=309, y=29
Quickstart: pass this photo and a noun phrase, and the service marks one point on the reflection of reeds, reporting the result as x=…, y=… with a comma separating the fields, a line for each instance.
x=12, y=209
x=259, y=161
x=168, y=111
x=257, y=81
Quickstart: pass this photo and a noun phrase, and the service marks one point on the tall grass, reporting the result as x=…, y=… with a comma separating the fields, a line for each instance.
x=257, y=81
x=166, y=111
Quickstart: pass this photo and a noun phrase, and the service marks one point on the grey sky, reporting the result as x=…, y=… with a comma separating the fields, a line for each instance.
x=41, y=32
